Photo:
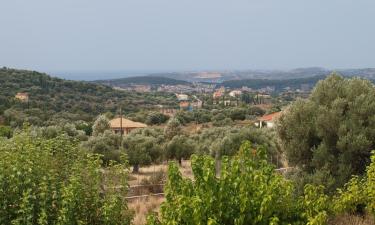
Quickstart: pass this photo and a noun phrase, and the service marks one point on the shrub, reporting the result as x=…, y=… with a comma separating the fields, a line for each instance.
x=247, y=191
x=52, y=181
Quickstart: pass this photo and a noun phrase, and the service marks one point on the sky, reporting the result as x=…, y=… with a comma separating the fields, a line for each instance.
x=186, y=35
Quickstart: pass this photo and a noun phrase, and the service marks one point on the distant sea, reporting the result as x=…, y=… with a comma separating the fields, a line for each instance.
x=97, y=75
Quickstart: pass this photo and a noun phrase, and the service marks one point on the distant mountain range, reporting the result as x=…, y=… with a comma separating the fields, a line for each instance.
x=235, y=79
x=221, y=76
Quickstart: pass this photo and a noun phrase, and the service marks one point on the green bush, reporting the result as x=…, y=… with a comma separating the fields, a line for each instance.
x=52, y=181
x=248, y=191
x=6, y=131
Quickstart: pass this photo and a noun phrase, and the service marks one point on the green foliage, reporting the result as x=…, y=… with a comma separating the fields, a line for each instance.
x=330, y=135
x=106, y=144
x=358, y=195
x=52, y=99
x=201, y=116
x=315, y=205
x=248, y=191
x=184, y=117
x=179, y=147
x=278, y=84
x=52, y=181
x=220, y=120
x=143, y=147
x=101, y=124
x=173, y=128
x=156, y=118
x=237, y=113
x=225, y=141
x=86, y=127
x=6, y=131
x=54, y=131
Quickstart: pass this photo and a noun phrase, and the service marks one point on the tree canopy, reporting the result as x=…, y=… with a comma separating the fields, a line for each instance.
x=330, y=135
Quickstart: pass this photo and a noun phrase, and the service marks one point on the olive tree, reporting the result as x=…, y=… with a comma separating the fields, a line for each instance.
x=179, y=147
x=142, y=147
x=107, y=145
x=173, y=128
x=330, y=135
x=156, y=118
x=101, y=124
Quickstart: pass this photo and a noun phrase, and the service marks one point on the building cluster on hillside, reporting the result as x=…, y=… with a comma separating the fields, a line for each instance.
x=189, y=103
x=178, y=88
x=196, y=87
x=137, y=88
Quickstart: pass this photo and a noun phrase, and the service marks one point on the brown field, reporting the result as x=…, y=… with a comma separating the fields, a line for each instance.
x=143, y=206
x=352, y=220
x=148, y=203
x=147, y=171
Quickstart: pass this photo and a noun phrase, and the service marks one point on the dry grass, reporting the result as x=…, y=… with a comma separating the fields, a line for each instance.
x=147, y=171
x=352, y=220
x=142, y=207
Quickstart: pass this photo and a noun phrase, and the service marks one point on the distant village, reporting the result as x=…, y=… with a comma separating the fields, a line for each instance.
x=200, y=95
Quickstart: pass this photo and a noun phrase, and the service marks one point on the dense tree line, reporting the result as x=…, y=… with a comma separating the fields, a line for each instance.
x=278, y=84
x=154, y=145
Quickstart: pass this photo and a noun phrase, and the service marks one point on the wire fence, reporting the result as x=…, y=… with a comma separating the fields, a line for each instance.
x=151, y=190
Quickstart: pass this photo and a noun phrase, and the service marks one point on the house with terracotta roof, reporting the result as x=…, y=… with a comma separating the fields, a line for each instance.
x=268, y=120
x=22, y=96
x=217, y=94
x=184, y=105
x=124, y=126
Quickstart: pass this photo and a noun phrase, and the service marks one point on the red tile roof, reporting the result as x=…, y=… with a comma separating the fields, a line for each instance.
x=270, y=117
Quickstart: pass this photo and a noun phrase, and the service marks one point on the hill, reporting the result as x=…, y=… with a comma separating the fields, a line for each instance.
x=296, y=83
x=52, y=99
x=222, y=76
x=278, y=84
x=142, y=80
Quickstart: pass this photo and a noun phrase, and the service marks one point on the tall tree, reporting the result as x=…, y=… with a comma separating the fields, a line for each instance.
x=101, y=124
x=330, y=135
x=179, y=147
x=142, y=147
x=173, y=128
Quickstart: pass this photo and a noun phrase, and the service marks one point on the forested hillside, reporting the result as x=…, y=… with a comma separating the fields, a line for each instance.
x=278, y=84
x=53, y=98
x=144, y=80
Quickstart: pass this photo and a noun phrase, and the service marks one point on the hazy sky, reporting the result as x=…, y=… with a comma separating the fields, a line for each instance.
x=167, y=35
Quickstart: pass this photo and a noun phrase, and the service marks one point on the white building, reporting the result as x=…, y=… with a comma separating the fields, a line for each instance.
x=235, y=93
x=182, y=97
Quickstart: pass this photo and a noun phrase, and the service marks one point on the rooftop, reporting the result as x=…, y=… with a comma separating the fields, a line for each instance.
x=270, y=117
x=116, y=123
